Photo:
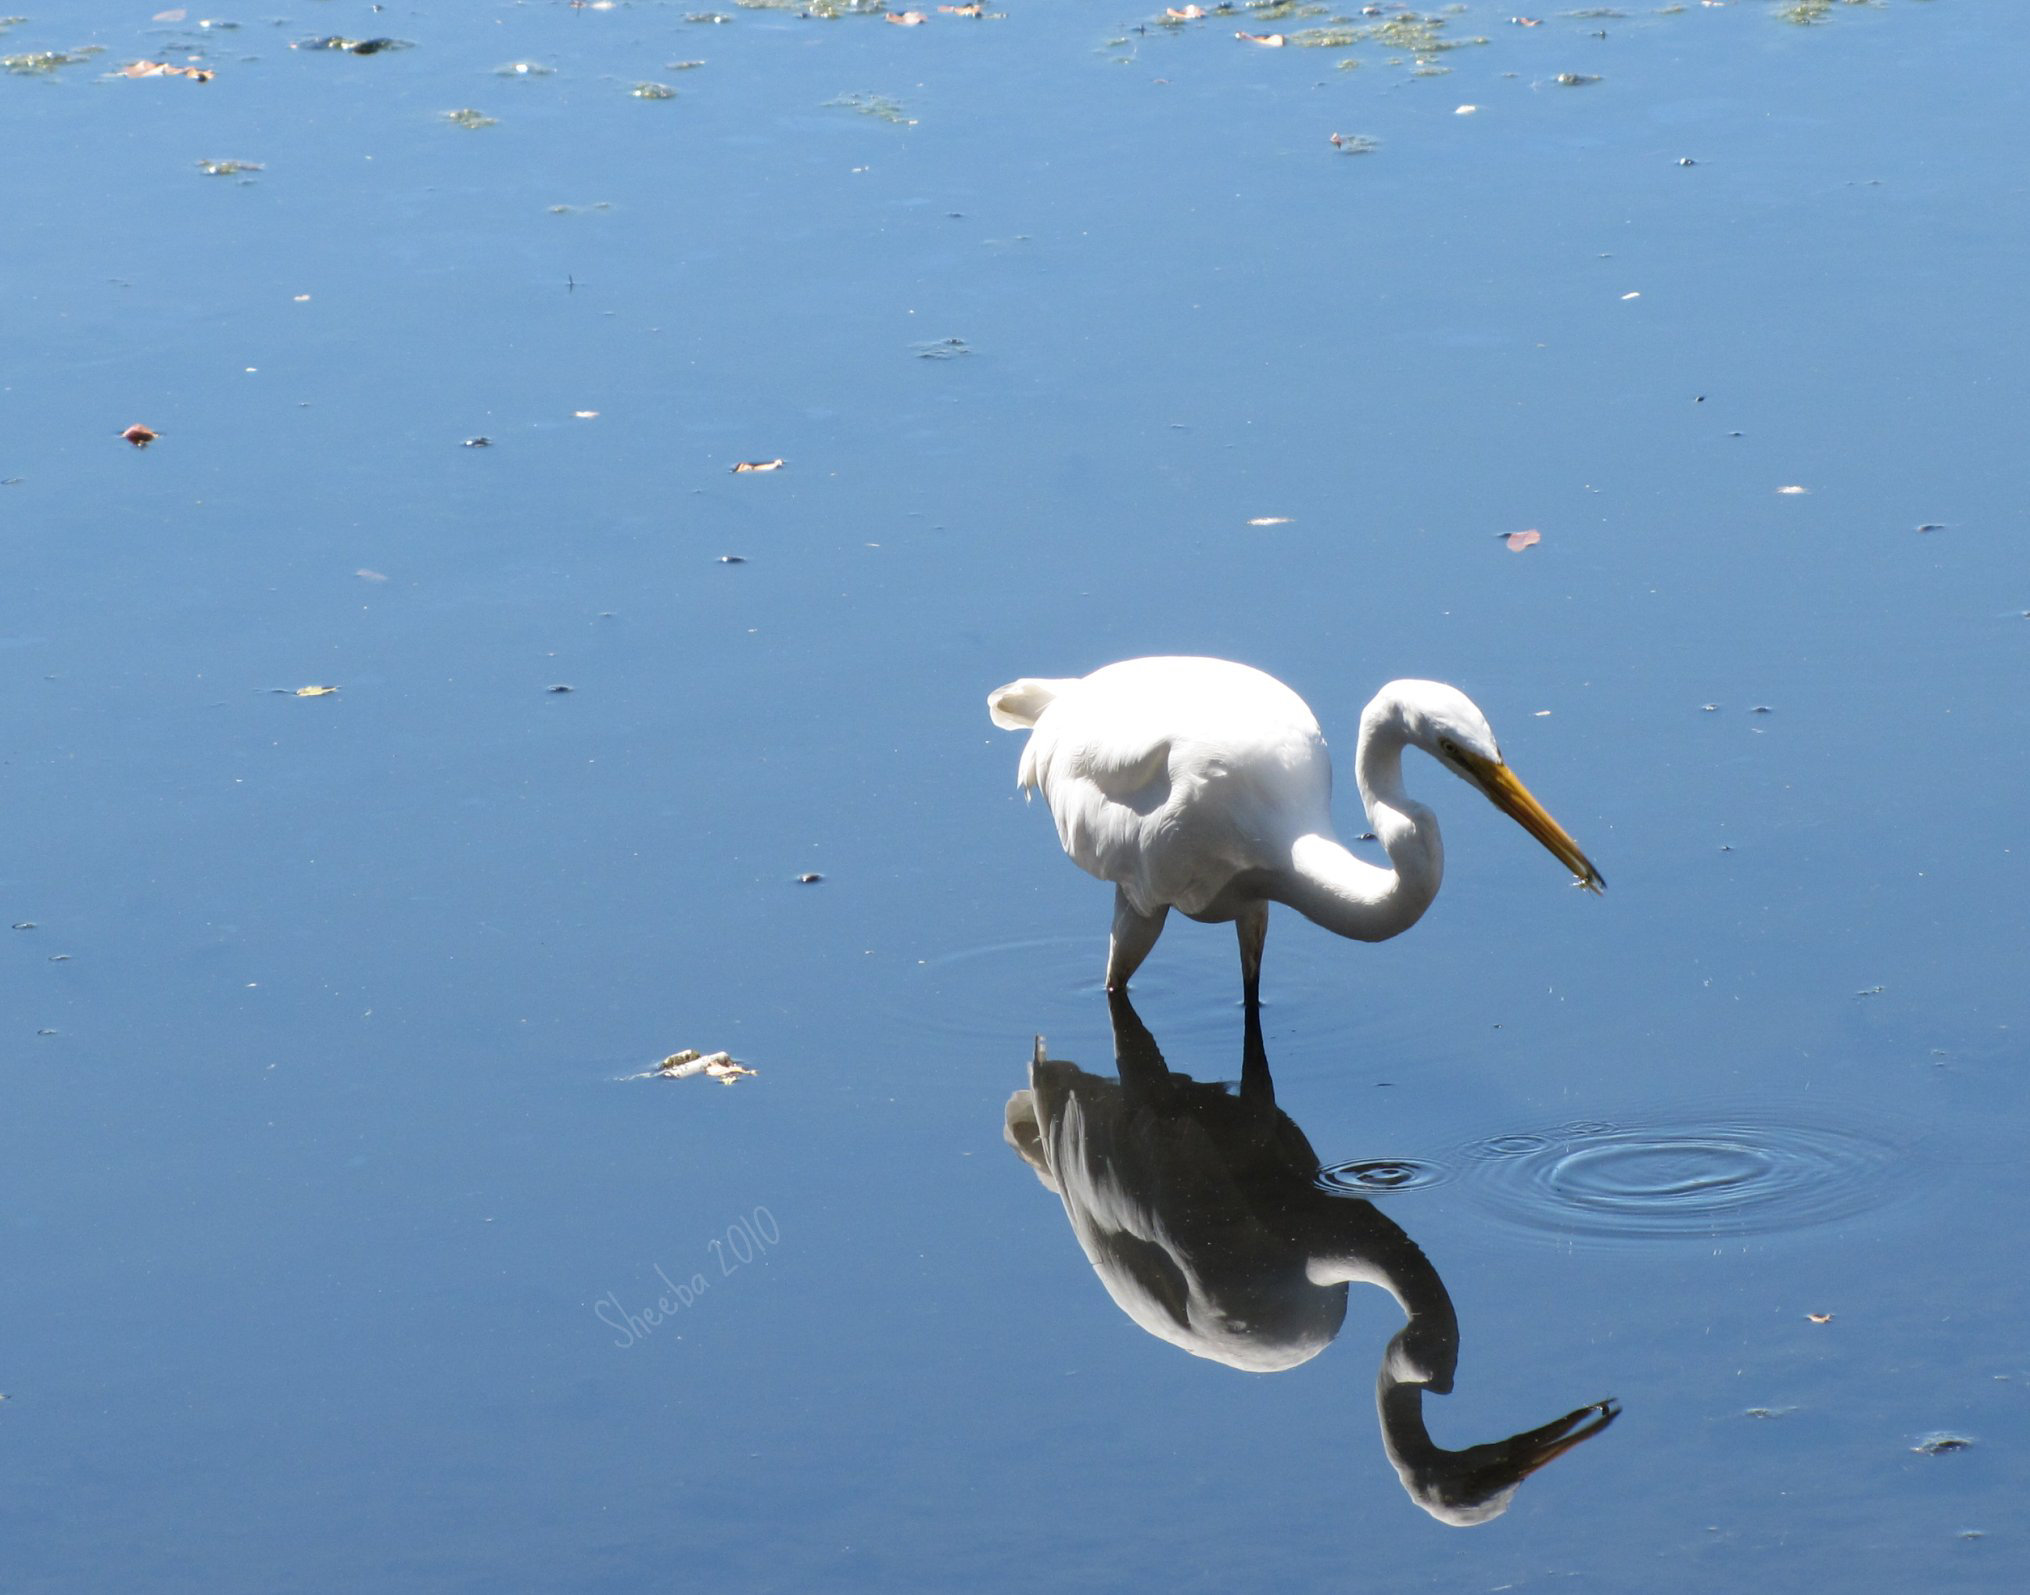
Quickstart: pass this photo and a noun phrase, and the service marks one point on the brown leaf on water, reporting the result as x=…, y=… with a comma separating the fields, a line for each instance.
x=1272, y=41
x=1518, y=541
x=139, y=435
x=162, y=69
x=745, y=467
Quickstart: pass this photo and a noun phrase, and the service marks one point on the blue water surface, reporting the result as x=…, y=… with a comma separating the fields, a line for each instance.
x=341, y=1253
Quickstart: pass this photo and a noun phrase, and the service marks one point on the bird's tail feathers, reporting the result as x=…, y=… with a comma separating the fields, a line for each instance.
x=1020, y=703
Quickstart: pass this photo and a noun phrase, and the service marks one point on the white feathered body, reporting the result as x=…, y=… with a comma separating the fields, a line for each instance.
x=1185, y=782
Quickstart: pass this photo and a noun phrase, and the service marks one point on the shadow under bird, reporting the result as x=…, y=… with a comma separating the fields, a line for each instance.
x=1205, y=786
x=1199, y=1210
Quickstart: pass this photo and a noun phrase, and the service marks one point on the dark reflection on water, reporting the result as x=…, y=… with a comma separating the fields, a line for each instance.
x=1203, y=1214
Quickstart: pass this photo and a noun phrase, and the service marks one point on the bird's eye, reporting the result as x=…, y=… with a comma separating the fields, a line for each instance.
x=1448, y=747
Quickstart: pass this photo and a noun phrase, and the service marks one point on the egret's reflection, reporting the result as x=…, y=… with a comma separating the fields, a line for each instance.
x=1198, y=1208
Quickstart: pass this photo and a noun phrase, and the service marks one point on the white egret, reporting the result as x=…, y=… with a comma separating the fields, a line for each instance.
x=1205, y=786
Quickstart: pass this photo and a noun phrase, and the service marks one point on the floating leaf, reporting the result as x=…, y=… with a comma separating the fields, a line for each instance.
x=162, y=69
x=314, y=692
x=1942, y=1444
x=747, y=467
x=1518, y=541
x=719, y=1066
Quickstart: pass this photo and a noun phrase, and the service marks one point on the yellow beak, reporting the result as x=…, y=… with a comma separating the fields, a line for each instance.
x=1509, y=795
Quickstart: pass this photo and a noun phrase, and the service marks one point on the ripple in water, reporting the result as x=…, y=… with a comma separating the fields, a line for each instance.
x=1378, y=1176
x=1681, y=1180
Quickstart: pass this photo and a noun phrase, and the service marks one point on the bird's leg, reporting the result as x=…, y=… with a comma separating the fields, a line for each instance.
x=1134, y=934
x=1253, y=925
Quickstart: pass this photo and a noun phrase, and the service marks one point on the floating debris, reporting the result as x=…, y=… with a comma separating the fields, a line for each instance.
x=750, y=467
x=905, y=19
x=1355, y=143
x=1793, y=490
x=975, y=9
x=1941, y=1442
x=1270, y=520
x=366, y=575
x=1270, y=41
x=682, y=66
x=1768, y=1412
x=1518, y=541
x=481, y=442
x=140, y=436
x=231, y=169
x=313, y=692
x=879, y=106
x=941, y=349
x=809, y=878
x=1762, y=708
x=1932, y=526
x=733, y=559
x=465, y=116
x=1575, y=80
x=653, y=91
x=710, y=18
x=1819, y=1318
x=352, y=46
x=49, y=60
x=524, y=69
x=719, y=1066
x=1182, y=13
x=162, y=69
x=562, y=686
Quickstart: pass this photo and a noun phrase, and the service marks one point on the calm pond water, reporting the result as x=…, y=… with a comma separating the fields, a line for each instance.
x=340, y=1251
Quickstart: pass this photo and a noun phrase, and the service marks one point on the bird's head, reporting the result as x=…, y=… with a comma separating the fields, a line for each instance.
x=1449, y=726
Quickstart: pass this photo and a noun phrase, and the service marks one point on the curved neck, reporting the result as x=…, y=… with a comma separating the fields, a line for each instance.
x=1347, y=895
